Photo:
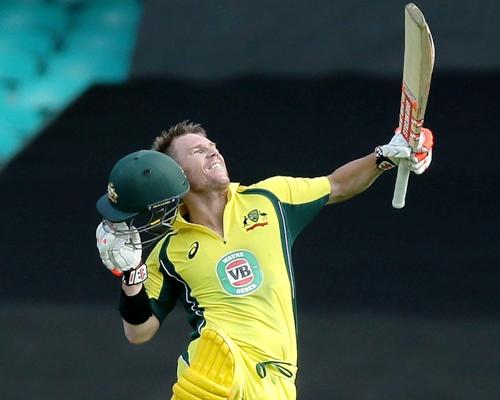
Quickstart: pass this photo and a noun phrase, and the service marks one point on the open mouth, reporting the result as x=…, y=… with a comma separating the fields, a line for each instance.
x=215, y=165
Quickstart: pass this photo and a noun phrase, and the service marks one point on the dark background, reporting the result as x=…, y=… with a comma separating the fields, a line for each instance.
x=398, y=304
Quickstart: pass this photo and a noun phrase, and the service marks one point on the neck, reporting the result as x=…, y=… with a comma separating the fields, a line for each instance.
x=207, y=209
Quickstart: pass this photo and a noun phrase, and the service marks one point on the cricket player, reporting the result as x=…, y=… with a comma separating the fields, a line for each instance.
x=224, y=251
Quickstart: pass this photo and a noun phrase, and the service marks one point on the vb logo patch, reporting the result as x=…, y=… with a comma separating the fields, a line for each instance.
x=239, y=273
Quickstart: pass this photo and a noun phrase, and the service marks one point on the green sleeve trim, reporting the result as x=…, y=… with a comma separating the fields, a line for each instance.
x=300, y=215
x=183, y=293
x=167, y=298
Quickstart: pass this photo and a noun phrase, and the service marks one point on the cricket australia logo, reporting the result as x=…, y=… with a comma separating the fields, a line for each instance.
x=254, y=219
x=112, y=195
x=239, y=273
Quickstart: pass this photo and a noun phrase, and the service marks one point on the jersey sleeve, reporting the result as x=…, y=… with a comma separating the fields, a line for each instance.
x=161, y=289
x=301, y=198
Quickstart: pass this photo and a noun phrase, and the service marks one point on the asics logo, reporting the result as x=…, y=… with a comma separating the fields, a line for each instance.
x=193, y=249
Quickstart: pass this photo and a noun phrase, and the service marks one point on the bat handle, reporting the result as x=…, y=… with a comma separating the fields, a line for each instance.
x=398, y=199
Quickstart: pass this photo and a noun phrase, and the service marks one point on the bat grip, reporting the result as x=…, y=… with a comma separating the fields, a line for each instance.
x=398, y=199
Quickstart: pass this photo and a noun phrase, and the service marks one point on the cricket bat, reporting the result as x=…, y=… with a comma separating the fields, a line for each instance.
x=417, y=73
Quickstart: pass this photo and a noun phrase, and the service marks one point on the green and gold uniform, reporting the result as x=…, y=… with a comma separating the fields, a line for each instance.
x=242, y=285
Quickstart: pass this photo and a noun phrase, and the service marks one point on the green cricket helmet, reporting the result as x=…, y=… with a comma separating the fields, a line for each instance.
x=144, y=190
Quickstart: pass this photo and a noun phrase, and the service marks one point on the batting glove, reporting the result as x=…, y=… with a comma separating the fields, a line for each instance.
x=389, y=155
x=398, y=151
x=121, y=252
x=421, y=158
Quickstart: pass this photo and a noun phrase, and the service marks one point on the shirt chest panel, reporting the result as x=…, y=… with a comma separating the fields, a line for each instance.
x=249, y=259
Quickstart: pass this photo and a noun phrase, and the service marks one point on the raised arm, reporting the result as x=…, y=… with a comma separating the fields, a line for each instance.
x=356, y=176
x=353, y=178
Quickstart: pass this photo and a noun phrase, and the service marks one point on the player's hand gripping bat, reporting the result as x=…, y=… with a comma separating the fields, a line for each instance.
x=417, y=73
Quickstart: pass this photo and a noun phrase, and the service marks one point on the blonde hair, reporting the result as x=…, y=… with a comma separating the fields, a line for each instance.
x=163, y=142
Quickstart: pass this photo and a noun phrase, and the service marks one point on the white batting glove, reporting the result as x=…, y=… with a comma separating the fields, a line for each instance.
x=118, y=251
x=398, y=151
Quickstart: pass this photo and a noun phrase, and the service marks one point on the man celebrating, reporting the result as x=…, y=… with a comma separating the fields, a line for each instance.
x=224, y=251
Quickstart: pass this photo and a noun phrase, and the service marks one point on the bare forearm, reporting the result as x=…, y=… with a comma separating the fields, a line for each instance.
x=353, y=178
x=137, y=334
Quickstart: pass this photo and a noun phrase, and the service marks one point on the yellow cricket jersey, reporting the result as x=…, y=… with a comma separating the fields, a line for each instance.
x=241, y=283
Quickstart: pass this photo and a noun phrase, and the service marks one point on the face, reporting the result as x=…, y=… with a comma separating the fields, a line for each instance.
x=201, y=161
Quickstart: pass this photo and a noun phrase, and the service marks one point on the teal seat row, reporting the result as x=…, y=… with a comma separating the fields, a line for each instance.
x=51, y=52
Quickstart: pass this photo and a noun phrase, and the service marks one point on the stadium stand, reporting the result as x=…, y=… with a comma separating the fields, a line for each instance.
x=51, y=52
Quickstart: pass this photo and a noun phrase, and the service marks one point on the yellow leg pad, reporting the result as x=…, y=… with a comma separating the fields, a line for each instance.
x=211, y=373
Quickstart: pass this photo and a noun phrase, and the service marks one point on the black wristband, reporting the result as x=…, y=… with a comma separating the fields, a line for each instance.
x=135, y=309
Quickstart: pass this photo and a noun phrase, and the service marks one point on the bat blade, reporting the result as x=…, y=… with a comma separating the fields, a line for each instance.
x=417, y=73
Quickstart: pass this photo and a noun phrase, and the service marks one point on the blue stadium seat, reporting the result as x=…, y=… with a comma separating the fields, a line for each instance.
x=11, y=141
x=20, y=118
x=40, y=15
x=53, y=93
x=31, y=41
x=98, y=42
x=5, y=94
x=51, y=51
x=110, y=68
x=16, y=64
x=111, y=15
x=88, y=3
